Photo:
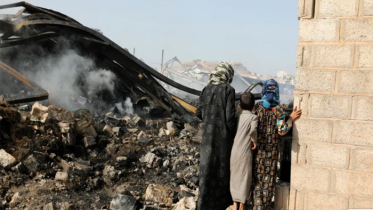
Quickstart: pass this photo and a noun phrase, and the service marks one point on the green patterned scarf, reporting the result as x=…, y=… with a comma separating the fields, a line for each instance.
x=222, y=74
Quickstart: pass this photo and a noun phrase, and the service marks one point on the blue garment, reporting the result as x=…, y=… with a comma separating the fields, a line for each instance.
x=271, y=94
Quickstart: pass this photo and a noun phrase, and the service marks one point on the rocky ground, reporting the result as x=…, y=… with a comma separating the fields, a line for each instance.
x=51, y=158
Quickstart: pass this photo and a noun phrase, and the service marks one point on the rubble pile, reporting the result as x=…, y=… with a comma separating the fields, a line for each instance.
x=51, y=158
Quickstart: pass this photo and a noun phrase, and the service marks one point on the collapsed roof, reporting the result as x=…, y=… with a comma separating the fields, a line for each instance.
x=35, y=25
x=34, y=33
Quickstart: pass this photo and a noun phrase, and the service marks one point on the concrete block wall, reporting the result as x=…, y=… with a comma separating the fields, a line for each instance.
x=332, y=150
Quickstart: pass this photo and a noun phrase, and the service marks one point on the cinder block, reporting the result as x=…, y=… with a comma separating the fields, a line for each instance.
x=330, y=106
x=357, y=29
x=304, y=54
x=327, y=155
x=360, y=203
x=306, y=8
x=293, y=194
x=352, y=183
x=315, y=80
x=301, y=102
x=332, y=56
x=362, y=108
x=336, y=8
x=365, y=55
x=326, y=202
x=311, y=30
x=353, y=81
x=299, y=205
x=296, y=201
x=294, y=151
x=353, y=133
x=305, y=130
x=362, y=159
x=302, y=154
x=366, y=8
x=310, y=179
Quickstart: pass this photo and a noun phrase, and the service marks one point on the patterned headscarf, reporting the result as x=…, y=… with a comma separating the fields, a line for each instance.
x=271, y=94
x=222, y=74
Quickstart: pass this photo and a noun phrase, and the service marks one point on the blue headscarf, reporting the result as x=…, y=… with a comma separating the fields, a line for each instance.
x=271, y=94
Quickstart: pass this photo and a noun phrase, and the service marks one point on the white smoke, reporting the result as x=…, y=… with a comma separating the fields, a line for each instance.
x=125, y=108
x=99, y=80
x=69, y=76
x=128, y=106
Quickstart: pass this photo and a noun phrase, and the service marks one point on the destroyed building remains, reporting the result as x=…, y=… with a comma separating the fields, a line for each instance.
x=104, y=131
x=36, y=36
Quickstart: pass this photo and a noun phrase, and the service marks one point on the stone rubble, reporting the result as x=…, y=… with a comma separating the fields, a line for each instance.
x=56, y=159
x=6, y=160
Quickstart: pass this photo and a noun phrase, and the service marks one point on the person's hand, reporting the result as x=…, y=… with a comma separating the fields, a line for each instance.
x=295, y=114
x=254, y=146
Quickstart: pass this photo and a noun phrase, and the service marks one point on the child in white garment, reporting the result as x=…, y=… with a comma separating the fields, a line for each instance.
x=241, y=157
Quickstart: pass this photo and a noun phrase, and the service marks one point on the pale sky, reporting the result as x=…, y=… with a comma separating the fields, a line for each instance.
x=261, y=34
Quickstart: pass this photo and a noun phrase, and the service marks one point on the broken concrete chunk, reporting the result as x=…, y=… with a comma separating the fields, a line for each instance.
x=163, y=132
x=39, y=112
x=170, y=126
x=109, y=174
x=89, y=141
x=111, y=149
x=109, y=171
x=61, y=176
x=133, y=130
x=148, y=158
x=67, y=133
x=49, y=206
x=187, y=203
x=16, y=199
x=141, y=135
x=118, y=131
x=123, y=202
x=65, y=127
x=158, y=194
x=6, y=160
x=31, y=163
x=64, y=206
x=82, y=167
x=129, y=121
x=107, y=129
x=109, y=114
x=60, y=114
x=138, y=121
x=122, y=161
x=166, y=163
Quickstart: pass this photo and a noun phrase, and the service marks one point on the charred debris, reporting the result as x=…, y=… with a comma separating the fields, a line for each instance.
x=121, y=140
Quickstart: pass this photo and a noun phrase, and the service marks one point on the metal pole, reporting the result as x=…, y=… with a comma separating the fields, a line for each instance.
x=134, y=50
x=162, y=60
